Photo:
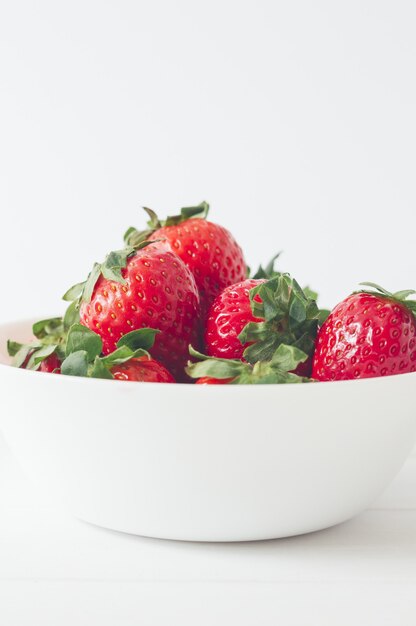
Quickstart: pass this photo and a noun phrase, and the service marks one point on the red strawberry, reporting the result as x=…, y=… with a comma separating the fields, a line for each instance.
x=251, y=319
x=51, y=364
x=368, y=334
x=130, y=361
x=146, y=286
x=209, y=250
x=229, y=314
x=142, y=369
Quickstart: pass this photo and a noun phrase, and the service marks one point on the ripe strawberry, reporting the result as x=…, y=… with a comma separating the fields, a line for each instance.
x=252, y=318
x=51, y=365
x=142, y=286
x=228, y=315
x=370, y=333
x=130, y=361
x=142, y=369
x=209, y=250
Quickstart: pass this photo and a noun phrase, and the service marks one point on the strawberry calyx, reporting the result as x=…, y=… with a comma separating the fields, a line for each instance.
x=268, y=271
x=133, y=236
x=78, y=349
x=84, y=348
x=278, y=370
x=313, y=295
x=399, y=296
x=288, y=317
x=50, y=339
x=111, y=269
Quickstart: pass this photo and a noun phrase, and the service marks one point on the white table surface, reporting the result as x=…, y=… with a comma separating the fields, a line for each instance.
x=57, y=571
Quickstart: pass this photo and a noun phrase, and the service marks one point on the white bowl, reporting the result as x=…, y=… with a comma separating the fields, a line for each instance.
x=207, y=463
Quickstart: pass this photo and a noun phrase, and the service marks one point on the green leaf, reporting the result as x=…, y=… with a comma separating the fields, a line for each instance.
x=310, y=293
x=50, y=336
x=130, y=233
x=21, y=356
x=90, y=283
x=40, y=355
x=287, y=358
x=47, y=327
x=402, y=295
x=74, y=292
x=114, y=263
x=201, y=210
x=83, y=339
x=377, y=288
x=262, y=350
x=274, y=371
x=121, y=355
x=71, y=315
x=411, y=304
x=199, y=355
x=75, y=364
x=215, y=368
x=13, y=347
x=153, y=221
x=297, y=310
x=209, y=366
x=254, y=331
x=135, y=238
x=323, y=316
x=268, y=271
x=99, y=370
x=142, y=338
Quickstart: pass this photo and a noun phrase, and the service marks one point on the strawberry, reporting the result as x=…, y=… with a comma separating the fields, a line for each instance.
x=130, y=361
x=209, y=250
x=370, y=333
x=142, y=369
x=228, y=315
x=249, y=320
x=51, y=364
x=142, y=286
x=79, y=353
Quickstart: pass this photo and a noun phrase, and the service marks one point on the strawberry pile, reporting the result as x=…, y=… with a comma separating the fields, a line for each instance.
x=177, y=304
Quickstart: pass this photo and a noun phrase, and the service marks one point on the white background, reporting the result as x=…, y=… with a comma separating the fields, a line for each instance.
x=297, y=121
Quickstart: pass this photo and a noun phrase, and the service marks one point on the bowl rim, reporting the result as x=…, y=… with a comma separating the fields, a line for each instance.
x=100, y=381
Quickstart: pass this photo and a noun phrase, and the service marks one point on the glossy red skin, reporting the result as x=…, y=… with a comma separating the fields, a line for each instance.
x=228, y=315
x=51, y=365
x=160, y=292
x=143, y=370
x=207, y=380
x=211, y=253
x=365, y=336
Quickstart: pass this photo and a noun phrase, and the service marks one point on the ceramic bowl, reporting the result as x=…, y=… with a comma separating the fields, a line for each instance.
x=207, y=463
